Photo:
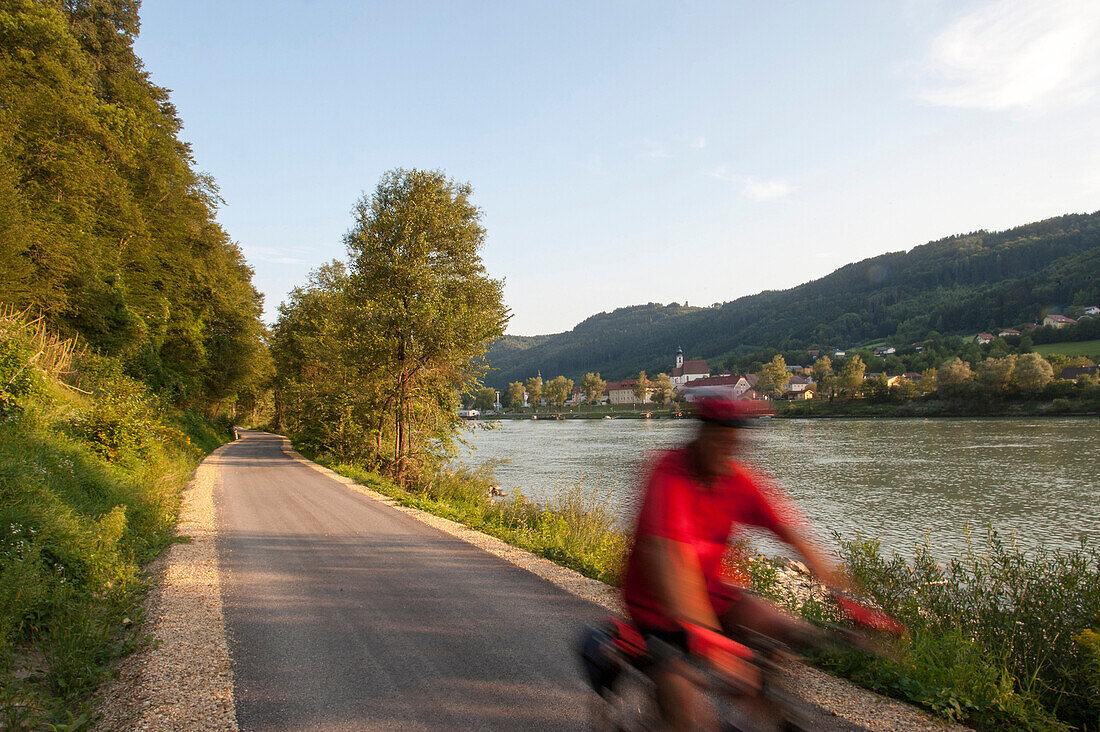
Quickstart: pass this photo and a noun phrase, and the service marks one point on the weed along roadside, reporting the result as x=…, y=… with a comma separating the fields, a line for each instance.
x=999, y=638
x=91, y=469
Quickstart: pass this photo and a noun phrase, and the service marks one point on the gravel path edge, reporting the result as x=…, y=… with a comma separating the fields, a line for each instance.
x=182, y=679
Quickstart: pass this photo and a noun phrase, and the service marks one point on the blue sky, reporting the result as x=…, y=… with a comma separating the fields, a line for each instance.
x=626, y=153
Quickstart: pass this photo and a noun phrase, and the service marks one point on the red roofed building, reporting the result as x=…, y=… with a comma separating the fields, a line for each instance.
x=739, y=385
x=1058, y=321
x=622, y=392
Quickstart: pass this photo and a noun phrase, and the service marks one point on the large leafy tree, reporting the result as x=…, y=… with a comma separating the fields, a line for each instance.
x=850, y=380
x=534, y=391
x=641, y=387
x=513, y=398
x=823, y=375
x=558, y=390
x=485, y=399
x=106, y=229
x=1032, y=372
x=428, y=309
x=774, y=377
x=592, y=386
x=662, y=389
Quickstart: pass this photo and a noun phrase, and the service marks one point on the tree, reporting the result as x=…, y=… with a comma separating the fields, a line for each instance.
x=774, y=377
x=486, y=399
x=641, y=388
x=823, y=375
x=850, y=380
x=662, y=389
x=877, y=387
x=1033, y=372
x=592, y=386
x=534, y=391
x=325, y=393
x=558, y=391
x=953, y=373
x=513, y=398
x=929, y=379
x=996, y=374
x=106, y=229
x=430, y=309
x=905, y=388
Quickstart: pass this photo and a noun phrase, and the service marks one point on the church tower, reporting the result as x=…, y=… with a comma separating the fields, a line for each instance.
x=679, y=357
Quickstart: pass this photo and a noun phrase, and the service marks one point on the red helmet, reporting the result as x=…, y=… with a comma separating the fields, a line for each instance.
x=723, y=408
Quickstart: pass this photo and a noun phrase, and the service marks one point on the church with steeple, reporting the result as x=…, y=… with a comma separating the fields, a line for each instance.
x=686, y=371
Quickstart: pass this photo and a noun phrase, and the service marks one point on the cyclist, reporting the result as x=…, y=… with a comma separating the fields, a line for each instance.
x=695, y=499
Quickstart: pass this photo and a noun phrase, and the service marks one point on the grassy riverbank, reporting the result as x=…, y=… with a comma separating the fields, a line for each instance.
x=1000, y=638
x=574, y=529
x=91, y=469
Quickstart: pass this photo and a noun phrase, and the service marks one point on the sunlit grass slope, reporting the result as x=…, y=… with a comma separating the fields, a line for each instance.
x=91, y=469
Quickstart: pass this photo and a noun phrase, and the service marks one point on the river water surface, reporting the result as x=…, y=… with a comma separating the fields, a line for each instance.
x=898, y=479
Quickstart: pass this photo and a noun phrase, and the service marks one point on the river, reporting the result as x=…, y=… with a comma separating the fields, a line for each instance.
x=902, y=480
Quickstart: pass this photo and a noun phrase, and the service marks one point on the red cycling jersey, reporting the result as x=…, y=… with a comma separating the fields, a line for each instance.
x=703, y=517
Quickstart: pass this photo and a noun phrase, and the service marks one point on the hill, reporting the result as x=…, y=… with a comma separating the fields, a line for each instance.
x=961, y=284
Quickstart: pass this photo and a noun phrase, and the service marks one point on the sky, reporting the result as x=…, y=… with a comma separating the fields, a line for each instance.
x=625, y=153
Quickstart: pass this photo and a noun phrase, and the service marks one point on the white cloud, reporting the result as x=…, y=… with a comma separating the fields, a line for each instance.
x=754, y=188
x=1015, y=54
x=698, y=143
x=272, y=256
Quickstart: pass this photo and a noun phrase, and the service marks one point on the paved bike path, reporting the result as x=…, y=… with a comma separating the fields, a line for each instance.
x=343, y=613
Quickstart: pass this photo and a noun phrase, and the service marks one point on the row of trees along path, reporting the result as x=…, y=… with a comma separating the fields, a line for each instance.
x=371, y=354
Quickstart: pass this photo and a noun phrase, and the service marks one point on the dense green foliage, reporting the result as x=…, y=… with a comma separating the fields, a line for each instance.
x=959, y=285
x=91, y=467
x=371, y=357
x=106, y=229
x=1000, y=638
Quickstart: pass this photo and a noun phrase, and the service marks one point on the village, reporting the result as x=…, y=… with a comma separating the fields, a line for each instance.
x=776, y=381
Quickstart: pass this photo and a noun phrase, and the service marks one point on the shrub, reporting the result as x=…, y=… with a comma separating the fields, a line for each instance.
x=20, y=378
x=1000, y=637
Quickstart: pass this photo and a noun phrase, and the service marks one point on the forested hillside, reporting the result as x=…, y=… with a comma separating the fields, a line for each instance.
x=106, y=228
x=962, y=284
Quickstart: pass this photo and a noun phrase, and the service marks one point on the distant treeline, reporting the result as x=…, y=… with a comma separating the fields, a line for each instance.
x=964, y=284
x=106, y=228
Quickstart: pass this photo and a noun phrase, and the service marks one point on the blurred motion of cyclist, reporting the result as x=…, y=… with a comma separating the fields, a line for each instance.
x=695, y=500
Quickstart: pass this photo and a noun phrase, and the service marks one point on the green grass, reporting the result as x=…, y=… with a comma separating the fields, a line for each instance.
x=89, y=491
x=1074, y=348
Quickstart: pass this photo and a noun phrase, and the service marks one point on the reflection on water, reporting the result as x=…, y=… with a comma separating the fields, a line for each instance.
x=901, y=480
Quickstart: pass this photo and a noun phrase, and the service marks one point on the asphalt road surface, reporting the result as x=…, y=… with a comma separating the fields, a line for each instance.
x=344, y=614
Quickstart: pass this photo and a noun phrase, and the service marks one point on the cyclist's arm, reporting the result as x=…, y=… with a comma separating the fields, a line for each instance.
x=677, y=580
